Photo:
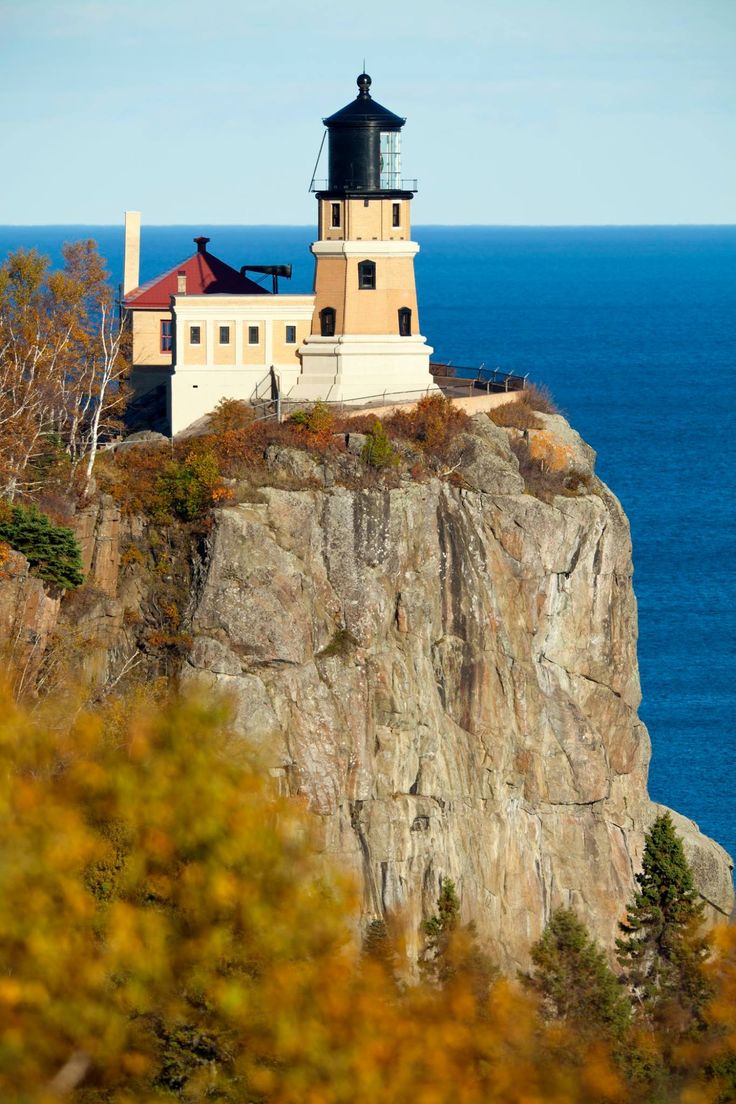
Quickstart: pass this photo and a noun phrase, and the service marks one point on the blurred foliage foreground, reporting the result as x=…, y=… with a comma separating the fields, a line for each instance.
x=167, y=931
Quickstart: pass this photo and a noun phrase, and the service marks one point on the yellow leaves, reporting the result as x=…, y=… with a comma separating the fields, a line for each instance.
x=162, y=913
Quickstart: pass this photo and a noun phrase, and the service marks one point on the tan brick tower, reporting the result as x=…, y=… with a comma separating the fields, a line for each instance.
x=365, y=336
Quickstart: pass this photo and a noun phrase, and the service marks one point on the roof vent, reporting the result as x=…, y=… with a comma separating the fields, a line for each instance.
x=201, y=243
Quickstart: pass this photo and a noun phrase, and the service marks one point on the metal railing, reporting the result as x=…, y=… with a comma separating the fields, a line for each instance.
x=276, y=406
x=482, y=378
x=406, y=184
x=280, y=406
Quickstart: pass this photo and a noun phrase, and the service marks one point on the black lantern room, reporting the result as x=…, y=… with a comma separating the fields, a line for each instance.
x=364, y=146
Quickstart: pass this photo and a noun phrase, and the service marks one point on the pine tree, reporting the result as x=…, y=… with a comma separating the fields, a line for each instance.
x=52, y=550
x=575, y=981
x=662, y=949
x=379, y=947
x=451, y=950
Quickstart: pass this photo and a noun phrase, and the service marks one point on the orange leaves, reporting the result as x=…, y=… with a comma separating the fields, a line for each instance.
x=230, y=415
x=433, y=423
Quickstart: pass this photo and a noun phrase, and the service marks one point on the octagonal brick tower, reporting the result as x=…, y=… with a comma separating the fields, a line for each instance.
x=365, y=336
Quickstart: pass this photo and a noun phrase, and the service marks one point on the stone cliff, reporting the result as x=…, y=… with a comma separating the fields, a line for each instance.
x=445, y=669
x=448, y=674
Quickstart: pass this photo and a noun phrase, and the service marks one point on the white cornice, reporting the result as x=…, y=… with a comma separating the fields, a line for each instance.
x=364, y=248
x=255, y=307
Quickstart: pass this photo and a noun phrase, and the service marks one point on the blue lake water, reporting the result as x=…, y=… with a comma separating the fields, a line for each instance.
x=634, y=332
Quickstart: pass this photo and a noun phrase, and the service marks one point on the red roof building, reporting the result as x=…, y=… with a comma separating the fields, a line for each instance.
x=200, y=274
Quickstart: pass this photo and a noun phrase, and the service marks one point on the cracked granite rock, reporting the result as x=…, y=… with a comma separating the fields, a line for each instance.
x=449, y=676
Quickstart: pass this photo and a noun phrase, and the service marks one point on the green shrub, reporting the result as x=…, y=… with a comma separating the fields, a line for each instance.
x=188, y=488
x=52, y=550
x=378, y=452
x=319, y=420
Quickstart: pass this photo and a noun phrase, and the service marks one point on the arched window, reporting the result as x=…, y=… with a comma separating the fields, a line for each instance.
x=404, y=322
x=327, y=322
x=367, y=275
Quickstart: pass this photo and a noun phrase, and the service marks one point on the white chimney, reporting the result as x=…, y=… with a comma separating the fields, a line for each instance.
x=181, y=282
x=132, y=263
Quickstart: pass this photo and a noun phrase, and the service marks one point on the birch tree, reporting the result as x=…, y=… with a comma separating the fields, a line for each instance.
x=63, y=363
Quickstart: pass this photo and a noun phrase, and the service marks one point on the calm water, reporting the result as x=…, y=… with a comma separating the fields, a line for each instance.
x=634, y=331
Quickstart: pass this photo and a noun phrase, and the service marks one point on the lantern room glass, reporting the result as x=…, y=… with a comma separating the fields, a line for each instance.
x=391, y=160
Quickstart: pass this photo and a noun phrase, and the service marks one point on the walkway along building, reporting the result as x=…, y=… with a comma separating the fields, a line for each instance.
x=204, y=331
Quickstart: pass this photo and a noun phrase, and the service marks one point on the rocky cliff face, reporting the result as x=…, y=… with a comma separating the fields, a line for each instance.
x=445, y=670
x=448, y=674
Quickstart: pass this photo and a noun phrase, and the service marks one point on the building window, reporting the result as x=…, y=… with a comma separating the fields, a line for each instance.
x=404, y=322
x=327, y=322
x=291, y=335
x=335, y=216
x=366, y=275
x=224, y=335
x=195, y=335
x=167, y=335
x=396, y=214
x=253, y=337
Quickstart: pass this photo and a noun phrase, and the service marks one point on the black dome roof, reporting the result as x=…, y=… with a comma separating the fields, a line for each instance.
x=364, y=111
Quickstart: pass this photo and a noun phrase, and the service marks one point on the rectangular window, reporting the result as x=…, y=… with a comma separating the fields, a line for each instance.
x=327, y=321
x=167, y=335
x=291, y=335
x=391, y=159
x=253, y=335
x=397, y=214
x=366, y=275
x=195, y=335
x=224, y=335
x=335, y=215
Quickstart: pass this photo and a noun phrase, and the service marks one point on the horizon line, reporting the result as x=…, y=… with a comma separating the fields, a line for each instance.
x=443, y=225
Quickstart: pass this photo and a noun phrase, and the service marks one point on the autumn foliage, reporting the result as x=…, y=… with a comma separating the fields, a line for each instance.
x=166, y=928
x=62, y=368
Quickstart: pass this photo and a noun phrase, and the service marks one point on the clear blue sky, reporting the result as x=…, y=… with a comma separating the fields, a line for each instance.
x=519, y=111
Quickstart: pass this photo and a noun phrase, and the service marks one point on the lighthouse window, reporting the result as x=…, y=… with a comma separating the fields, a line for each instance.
x=167, y=336
x=253, y=335
x=224, y=335
x=397, y=214
x=327, y=322
x=404, y=322
x=291, y=335
x=335, y=215
x=367, y=275
x=391, y=159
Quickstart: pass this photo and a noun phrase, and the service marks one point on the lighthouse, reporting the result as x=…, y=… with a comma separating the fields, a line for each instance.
x=365, y=338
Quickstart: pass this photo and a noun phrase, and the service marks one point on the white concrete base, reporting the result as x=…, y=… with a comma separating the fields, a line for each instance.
x=196, y=391
x=362, y=367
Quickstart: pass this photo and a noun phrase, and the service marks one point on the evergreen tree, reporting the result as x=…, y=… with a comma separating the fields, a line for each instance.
x=451, y=949
x=438, y=930
x=52, y=550
x=575, y=981
x=662, y=949
x=379, y=947
x=378, y=452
